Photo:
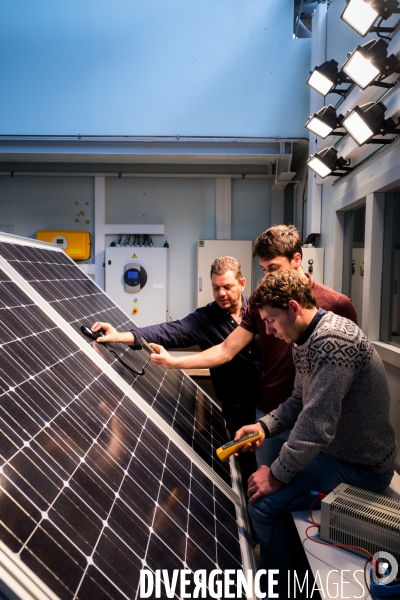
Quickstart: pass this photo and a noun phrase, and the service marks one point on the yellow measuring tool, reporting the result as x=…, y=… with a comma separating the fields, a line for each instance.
x=225, y=451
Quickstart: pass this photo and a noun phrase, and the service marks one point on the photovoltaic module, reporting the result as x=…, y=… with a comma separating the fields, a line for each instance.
x=103, y=472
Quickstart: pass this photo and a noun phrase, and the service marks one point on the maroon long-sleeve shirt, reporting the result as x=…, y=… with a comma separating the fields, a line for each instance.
x=277, y=378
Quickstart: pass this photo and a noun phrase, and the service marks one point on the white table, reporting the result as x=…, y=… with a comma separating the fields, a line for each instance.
x=338, y=569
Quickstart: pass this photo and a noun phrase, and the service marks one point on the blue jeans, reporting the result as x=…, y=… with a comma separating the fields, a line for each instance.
x=271, y=447
x=271, y=517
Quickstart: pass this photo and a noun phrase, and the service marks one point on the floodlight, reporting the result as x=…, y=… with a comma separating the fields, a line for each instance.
x=363, y=122
x=326, y=162
x=362, y=14
x=326, y=77
x=369, y=64
x=325, y=122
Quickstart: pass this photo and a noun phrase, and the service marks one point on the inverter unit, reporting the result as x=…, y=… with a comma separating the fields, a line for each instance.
x=350, y=515
x=74, y=243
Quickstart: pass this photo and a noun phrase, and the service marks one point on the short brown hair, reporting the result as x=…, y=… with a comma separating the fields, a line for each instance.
x=226, y=263
x=279, y=287
x=279, y=240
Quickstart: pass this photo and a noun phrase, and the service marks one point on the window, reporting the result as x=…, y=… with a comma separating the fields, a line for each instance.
x=390, y=312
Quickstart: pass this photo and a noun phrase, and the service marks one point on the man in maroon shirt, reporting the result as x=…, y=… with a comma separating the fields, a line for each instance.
x=277, y=248
x=280, y=248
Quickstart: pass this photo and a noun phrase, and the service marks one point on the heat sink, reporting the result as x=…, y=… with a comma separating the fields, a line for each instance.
x=350, y=515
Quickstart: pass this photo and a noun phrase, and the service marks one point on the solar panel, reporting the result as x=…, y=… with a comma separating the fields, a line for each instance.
x=95, y=484
x=78, y=300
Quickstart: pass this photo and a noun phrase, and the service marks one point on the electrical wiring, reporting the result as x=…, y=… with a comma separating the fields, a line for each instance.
x=319, y=496
x=371, y=558
x=148, y=241
x=365, y=580
x=317, y=525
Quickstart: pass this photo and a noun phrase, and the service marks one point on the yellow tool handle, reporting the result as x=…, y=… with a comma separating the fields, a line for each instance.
x=225, y=451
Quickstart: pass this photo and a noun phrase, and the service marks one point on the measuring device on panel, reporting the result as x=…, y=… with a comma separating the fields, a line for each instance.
x=225, y=451
x=94, y=335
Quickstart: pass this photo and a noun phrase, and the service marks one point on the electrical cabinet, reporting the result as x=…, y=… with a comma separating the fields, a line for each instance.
x=208, y=251
x=136, y=279
x=313, y=263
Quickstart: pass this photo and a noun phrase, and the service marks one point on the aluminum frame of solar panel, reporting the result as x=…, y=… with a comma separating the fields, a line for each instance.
x=240, y=514
x=200, y=432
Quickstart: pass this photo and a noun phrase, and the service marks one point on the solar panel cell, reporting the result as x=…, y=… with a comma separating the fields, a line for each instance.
x=79, y=300
x=92, y=489
x=95, y=585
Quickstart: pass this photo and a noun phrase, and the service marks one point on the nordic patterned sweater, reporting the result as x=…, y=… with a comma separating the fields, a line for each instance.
x=339, y=405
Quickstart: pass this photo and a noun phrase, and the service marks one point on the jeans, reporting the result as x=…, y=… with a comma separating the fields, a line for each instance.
x=271, y=517
x=271, y=446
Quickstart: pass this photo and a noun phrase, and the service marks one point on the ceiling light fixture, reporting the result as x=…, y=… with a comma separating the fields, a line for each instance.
x=325, y=122
x=364, y=122
x=369, y=64
x=326, y=162
x=326, y=77
x=362, y=14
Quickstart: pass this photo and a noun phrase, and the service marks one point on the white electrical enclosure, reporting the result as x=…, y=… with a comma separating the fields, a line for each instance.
x=313, y=263
x=208, y=251
x=136, y=279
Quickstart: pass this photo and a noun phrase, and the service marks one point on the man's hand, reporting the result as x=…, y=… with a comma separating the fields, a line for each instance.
x=163, y=358
x=111, y=334
x=250, y=429
x=261, y=483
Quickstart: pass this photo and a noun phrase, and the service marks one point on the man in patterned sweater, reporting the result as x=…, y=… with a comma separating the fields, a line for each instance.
x=338, y=414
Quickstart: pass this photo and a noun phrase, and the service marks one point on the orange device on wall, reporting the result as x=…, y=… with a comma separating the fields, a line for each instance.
x=74, y=243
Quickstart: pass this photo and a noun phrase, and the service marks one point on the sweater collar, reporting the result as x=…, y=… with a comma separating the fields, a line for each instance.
x=311, y=326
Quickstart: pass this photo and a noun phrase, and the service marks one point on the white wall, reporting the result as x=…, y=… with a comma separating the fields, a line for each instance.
x=33, y=203
x=367, y=184
x=151, y=67
x=186, y=207
x=251, y=214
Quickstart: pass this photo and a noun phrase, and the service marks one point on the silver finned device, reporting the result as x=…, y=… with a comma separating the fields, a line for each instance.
x=350, y=515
